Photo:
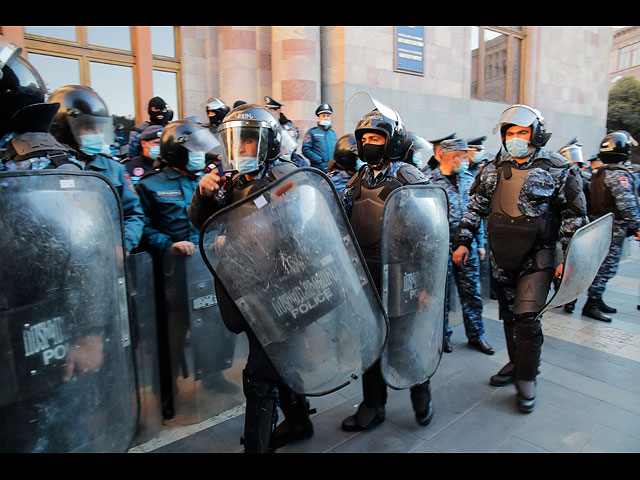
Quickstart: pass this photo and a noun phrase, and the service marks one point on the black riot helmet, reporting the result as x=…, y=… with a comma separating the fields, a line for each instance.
x=419, y=152
x=392, y=129
x=22, y=91
x=216, y=110
x=572, y=151
x=524, y=116
x=181, y=137
x=82, y=112
x=345, y=154
x=250, y=123
x=616, y=147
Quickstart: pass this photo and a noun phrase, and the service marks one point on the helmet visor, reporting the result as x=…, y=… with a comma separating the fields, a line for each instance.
x=9, y=51
x=245, y=145
x=201, y=140
x=573, y=153
x=521, y=115
x=82, y=124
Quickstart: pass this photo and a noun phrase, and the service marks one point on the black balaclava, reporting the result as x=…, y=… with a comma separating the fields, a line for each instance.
x=161, y=117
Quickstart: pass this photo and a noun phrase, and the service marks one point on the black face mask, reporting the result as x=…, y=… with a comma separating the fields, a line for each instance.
x=372, y=153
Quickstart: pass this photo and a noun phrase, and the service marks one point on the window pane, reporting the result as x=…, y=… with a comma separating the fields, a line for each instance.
x=114, y=37
x=163, y=41
x=495, y=51
x=514, y=64
x=475, y=39
x=62, y=33
x=56, y=71
x=114, y=83
x=165, y=85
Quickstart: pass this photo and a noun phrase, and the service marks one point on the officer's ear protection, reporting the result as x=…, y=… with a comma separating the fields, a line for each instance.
x=539, y=136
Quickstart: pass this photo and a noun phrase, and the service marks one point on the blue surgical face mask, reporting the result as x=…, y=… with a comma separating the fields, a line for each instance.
x=518, y=147
x=359, y=163
x=154, y=151
x=464, y=165
x=246, y=164
x=93, y=143
x=196, y=161
x=477, y=157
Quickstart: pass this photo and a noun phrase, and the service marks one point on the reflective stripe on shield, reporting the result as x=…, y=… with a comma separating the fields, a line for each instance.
x=288, y=258
x=67, y=380
x=585, y=253
x=415, y=252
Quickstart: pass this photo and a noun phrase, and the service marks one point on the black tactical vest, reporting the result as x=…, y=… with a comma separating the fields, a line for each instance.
x=37, y=144
x=512, y=234
x=601, y=199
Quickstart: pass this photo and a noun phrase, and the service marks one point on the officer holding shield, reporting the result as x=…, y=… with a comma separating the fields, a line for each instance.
x=533, y=198
x=251, y=137
x=382, y=143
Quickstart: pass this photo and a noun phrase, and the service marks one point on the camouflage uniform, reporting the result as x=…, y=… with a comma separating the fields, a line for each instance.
x=551, y=187
x=467, y=278
x=620, y=183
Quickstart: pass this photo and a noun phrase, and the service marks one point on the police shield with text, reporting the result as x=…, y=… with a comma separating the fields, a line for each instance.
x=68, y=381
x=259, y=230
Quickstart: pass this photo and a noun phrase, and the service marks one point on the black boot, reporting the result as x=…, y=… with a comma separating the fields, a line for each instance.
x=530, y=339
x=364, y=419
x=591, y=309
x=570, y=307
x=422, y=403
x=505, y=376
x=606, y=308
x=526, y=397
x=296, y=424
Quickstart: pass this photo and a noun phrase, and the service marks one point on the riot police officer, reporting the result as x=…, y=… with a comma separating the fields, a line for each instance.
x=216, y=110
x=382, y=143
x=533, y=198
x=159, y=114
x=165, y=195
x=319, y=142
x=251, y=138
x=25, y=118
x=83, y=123
x=345, y=161
x=613, y=189
x=65, y=386
x=456, y=181
x=572, y=151
x=420, y=152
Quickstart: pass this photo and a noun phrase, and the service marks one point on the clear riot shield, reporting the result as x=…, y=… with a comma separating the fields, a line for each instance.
x=206, y=369
x=288, y=258
x=415, y=252
x=585, y=253
x=67, y=378
x=144, y=333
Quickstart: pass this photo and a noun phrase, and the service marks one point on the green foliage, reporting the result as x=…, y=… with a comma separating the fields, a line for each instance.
x=624, y=108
